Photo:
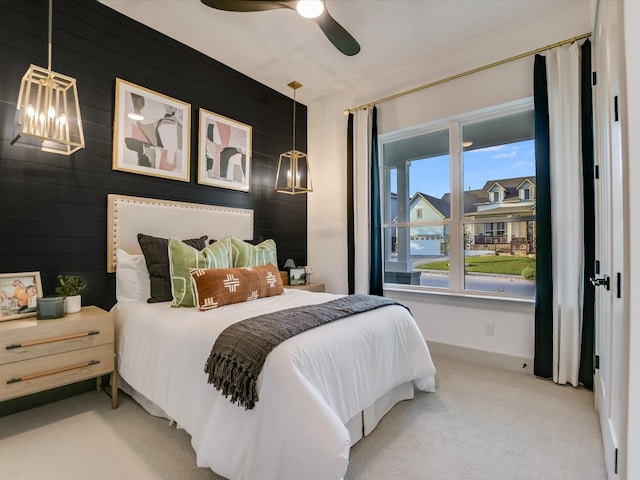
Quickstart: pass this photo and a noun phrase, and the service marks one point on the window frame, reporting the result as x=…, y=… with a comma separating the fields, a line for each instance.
x=456, y=222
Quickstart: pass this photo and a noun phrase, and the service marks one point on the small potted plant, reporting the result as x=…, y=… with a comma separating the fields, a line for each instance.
x=70, y=287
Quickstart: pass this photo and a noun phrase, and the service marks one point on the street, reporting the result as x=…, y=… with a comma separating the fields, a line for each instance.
x=510, y=284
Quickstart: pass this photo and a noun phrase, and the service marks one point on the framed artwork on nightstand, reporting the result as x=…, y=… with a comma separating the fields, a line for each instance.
x=297, y=276
x=18, y=294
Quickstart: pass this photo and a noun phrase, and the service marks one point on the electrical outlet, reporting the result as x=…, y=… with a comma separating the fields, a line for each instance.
x=488, y=328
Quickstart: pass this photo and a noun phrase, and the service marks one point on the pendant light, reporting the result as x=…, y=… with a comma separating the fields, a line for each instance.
x=294, y=175
x=48, y=112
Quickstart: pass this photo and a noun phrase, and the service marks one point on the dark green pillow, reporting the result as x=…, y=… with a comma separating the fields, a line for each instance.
x=156, y=256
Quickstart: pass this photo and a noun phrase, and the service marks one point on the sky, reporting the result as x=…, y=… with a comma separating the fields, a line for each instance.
x=431, y=176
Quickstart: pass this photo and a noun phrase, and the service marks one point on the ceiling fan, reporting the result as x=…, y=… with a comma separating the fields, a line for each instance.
x=335, y=32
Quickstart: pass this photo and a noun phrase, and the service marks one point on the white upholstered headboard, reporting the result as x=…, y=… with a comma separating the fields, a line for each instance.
x=127, y=216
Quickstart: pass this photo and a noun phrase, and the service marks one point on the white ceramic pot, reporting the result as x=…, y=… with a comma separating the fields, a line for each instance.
x=72, y=304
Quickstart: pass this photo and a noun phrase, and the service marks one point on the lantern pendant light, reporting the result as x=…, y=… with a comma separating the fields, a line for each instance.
x=48, y=111
x=294, y=175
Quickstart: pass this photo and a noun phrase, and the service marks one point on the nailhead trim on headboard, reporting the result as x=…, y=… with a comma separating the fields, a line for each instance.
x=169, y=218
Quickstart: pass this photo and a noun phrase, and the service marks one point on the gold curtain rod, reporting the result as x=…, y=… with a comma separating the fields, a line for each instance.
x=468, y=72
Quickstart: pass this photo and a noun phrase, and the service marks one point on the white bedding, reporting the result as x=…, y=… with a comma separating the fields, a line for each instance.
x=310, y=386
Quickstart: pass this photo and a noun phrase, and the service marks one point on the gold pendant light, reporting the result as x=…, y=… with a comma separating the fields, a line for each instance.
x=48, y=112
x=294, y=175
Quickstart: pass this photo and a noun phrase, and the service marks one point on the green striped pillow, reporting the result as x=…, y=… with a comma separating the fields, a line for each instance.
x=182, y=257
x=244, y=254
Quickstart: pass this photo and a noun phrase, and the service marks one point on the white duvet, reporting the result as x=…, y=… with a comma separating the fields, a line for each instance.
x=310, y=386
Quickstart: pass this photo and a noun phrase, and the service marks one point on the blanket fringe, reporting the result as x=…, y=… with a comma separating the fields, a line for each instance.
x=232, y=380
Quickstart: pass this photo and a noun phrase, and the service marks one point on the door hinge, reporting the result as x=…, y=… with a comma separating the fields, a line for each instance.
x=594, y=78
x=596, y=171
x=615, y=108
x=597, y=267
x=597, y=362
x=615, y=469
x=619, y=285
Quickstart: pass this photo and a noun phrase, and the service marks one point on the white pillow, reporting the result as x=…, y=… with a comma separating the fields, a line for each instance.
x=132, y=278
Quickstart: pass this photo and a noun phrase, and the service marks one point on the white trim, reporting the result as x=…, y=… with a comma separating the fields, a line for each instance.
x=457, y=218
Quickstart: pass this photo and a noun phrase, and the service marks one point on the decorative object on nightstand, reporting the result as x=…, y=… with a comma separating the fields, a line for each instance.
x=50, y=307
x=40, y=355
x=286, y=270
x=19, y=293
x=307, y=275
x=70, y=287
x=296, y=276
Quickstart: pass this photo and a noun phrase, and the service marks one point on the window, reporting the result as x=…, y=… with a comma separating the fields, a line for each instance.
x=488, y=229
x=458, y=206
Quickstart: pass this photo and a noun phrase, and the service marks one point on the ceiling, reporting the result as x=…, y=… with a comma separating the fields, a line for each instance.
x=278, y=46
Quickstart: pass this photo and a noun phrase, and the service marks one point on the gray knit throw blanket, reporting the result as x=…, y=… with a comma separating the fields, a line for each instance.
x=241, y=349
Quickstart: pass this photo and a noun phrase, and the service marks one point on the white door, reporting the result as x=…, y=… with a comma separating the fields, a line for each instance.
x=610, y=235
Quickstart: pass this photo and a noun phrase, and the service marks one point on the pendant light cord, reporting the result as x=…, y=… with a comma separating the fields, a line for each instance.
x=50, y=21
x=294, y=119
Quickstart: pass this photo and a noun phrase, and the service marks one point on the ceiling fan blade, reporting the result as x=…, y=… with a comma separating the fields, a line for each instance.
x=337, y=35
x=249, y=5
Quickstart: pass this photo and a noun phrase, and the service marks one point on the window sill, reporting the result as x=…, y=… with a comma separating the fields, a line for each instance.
x=467, y=295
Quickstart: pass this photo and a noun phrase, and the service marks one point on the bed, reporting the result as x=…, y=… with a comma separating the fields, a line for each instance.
x=319, y=392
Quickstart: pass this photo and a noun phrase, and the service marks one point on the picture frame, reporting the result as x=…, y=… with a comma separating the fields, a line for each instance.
x=151, y=133
x=297, y=276
x=224, y=152
x=18, y=295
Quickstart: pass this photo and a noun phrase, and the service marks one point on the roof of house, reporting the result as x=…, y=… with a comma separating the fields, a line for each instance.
x=474, y=198
x=442, y=205
x=510, y=186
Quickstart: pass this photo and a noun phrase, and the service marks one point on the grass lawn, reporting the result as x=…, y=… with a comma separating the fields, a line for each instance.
x=487, y=264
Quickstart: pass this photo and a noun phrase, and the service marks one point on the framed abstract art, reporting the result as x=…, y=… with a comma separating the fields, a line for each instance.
x=151, y=133
x=224, y=152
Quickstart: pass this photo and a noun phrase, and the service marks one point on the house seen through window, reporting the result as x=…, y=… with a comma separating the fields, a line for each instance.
x=459, y=204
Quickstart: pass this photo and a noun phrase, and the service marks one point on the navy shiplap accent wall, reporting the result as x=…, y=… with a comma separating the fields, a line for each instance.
x=53, y=208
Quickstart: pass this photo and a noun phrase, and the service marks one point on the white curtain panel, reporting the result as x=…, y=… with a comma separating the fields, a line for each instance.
x=361, y=202
x=563, y=83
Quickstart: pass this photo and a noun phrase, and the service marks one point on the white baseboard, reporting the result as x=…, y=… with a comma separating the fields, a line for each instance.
x=492, y=359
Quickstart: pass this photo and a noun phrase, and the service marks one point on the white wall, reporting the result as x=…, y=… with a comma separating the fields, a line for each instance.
x=456, y=321
x=631, y=114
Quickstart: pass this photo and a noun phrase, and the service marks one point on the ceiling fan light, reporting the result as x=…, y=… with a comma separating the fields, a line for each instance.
x=310, y=8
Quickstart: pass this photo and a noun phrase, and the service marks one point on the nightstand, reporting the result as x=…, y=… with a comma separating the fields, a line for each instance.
x=312, y=287
x=37, y=355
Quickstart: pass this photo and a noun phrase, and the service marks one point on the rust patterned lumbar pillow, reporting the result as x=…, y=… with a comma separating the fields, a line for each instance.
x=215, y=287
